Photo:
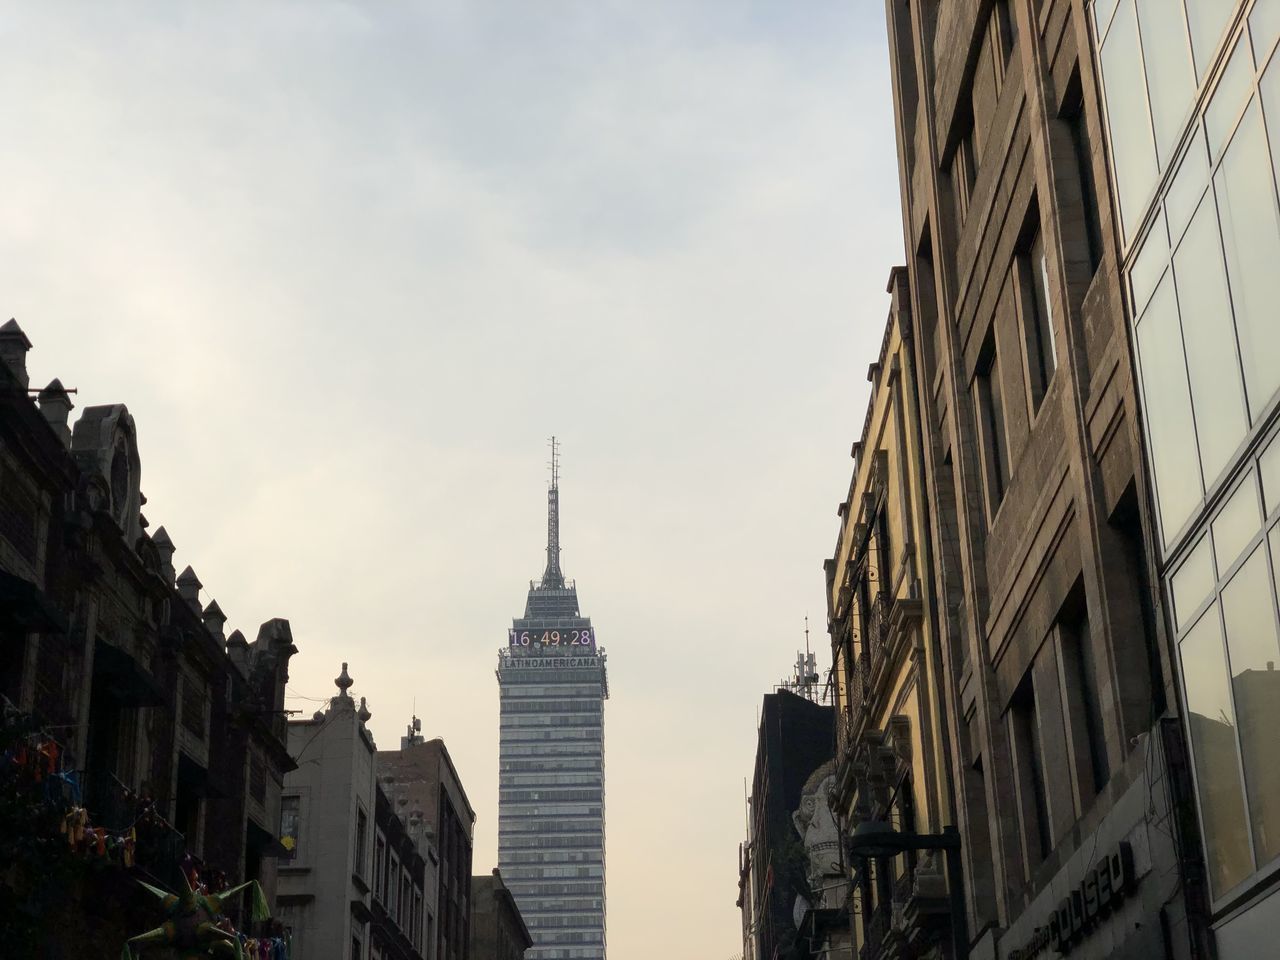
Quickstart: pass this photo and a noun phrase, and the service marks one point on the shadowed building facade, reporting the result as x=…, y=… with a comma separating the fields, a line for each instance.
x=553, y=683
x=891, y=755
x=1050, y=673
x=498, y=932
x=154, y=707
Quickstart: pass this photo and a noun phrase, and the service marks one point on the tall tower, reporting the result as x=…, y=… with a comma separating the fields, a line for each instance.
x=552, y=684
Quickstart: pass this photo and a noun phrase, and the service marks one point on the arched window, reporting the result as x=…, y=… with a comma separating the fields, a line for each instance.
x=120, y=478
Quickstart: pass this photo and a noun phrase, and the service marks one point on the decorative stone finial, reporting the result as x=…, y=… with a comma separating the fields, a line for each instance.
x=189, y=588
x=55, y=407
x=238, y=651
x=343, y=682
x=364, y=714
x=13, y=350
x=214, y=619
x=166, y=549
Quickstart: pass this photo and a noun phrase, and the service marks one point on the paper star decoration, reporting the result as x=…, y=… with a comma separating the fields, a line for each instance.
x=191, y=929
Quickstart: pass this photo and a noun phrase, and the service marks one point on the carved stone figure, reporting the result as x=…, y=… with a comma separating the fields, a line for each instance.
x=817, y=828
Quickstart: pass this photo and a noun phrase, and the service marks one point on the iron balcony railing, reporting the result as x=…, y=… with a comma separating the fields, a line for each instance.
x=877, y=929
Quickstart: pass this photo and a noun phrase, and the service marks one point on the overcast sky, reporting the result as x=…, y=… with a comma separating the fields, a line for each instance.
x=349, y=265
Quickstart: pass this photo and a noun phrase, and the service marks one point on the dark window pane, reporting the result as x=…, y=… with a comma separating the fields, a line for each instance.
x=1248, y=610
x=1212, y=726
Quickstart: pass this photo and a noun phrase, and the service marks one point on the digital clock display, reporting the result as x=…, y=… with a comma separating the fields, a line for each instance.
x=570, y=639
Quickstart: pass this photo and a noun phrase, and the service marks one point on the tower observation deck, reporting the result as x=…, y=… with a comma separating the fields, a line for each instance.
x=553, y=682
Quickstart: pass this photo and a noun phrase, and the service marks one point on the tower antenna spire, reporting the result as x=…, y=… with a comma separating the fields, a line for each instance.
x=552, y=577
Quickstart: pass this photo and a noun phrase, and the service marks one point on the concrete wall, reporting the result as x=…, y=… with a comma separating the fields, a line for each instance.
x=334, y=779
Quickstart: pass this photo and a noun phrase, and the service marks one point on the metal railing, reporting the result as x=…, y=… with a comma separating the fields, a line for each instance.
x=877, y=633
x=159, y=848
x=877, y=929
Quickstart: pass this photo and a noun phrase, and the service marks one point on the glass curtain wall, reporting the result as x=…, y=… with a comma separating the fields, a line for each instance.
x=1192, y=92
x=551, y=803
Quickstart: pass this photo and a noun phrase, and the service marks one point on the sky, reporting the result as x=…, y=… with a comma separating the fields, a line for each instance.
x=349, y=265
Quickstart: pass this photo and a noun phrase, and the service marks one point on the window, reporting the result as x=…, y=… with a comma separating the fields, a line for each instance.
x=1024, y=736
x=1132, y=147
x=257, y=779
x=362, y=830
x=884, y=551
x=393, y=884
x=193, y=706
x=1171, y=83
x=1080, y=692
x=1032, y=270
x=991, y=430
x=1006, y=24
x=964, y=173
x=357, y=953
x=1251, y=236
x=1225, y=593
x=1212, y=729
x=1213, y=364
x=1126, y=522
x=290, y=827
x=379, y=855
x=1073, y=114
x=1167, y=409
x=1207, y=19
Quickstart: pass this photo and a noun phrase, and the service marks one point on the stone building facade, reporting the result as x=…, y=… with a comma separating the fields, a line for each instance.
x=1192, y=97
x=498, y=932
x=1066, y=773
x=352, y=882
x=882, y=615
x=100, y=641
x=401, y=928
x=420, y=778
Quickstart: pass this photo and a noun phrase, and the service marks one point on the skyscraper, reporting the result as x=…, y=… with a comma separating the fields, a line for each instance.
x=552, y=686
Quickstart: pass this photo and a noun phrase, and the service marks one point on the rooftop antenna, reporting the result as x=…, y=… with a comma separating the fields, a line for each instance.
x=552, y=577
x=804, y=680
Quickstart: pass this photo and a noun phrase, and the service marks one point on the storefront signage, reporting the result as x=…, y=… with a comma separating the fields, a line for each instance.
x=1103, y=888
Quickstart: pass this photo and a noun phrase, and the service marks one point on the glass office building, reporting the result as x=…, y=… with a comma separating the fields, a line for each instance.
x=1192, y=93
x=553, y=683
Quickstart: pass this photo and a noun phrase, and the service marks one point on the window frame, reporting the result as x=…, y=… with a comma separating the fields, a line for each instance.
x=1212, y=605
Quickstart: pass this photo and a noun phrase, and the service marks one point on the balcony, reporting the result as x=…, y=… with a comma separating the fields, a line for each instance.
x=876, y=641
x=159, y=849
x=875, y=931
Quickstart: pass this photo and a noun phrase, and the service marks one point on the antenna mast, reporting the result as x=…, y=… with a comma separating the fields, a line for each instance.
x=552, y=577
